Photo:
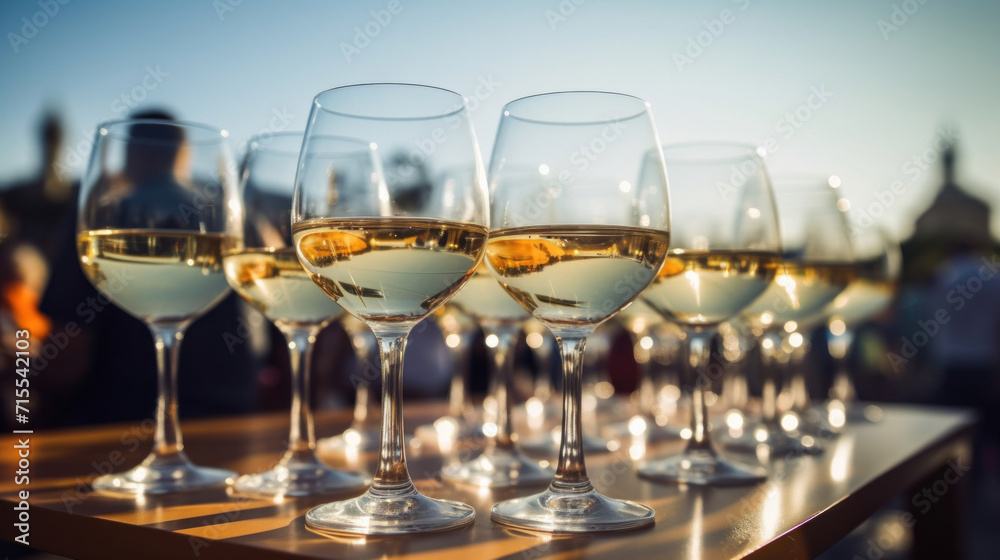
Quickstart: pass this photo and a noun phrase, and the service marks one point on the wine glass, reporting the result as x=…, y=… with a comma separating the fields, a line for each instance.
x=501, y=464
x=879, y=262
x=818, y=263
x=390, y=254
x=573, y=246
x=724, y=253
x=158, y=206
x=266, y=272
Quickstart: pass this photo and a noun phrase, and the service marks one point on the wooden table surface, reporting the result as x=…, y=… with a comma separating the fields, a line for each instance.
x=808, y=503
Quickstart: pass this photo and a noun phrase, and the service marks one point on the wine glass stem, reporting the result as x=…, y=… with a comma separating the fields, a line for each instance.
x=391, y=477
x=571, y=473
x=798, y=386
x=840, y=348
x=543, y=381
x=363, y=395
x=167, y=438
x=301, y=437
x=457, y=394
x=643, y=357
x=503, y=361
x=699, y=344
x=769, y=388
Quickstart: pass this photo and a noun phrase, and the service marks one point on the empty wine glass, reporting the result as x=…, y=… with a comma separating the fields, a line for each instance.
x=724, y=253
x=266, y=272
x=573, y=245
x=158, y=206
x=390, y=249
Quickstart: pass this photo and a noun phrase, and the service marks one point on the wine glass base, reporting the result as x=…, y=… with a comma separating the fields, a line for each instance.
x=363, y=440
x=497, y=469
x=298, y=478
x=371, y=514
x=163, y=475
x=708, y=469
x=549, y=443
x=777, y=441
x=558, y=512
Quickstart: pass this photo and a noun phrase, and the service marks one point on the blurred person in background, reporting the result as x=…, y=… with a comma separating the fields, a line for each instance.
x=29, y=213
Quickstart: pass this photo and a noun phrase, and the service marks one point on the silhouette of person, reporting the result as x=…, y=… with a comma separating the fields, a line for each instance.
x=106, y=371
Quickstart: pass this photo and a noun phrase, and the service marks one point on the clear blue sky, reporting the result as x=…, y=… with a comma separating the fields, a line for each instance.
x=887, y=89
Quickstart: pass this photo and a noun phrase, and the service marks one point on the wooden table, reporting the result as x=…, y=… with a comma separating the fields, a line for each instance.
x=808, y=504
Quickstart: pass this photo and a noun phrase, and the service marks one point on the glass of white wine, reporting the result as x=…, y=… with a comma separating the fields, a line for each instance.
x=265, y=270
x=817, y=265
x=158, y=206
x=390, y=255
x=724, y=254
x=574, y=245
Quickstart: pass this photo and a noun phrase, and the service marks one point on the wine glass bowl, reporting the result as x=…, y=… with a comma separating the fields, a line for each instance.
x=577, y=232
x=157, y=210
x=390, y=251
